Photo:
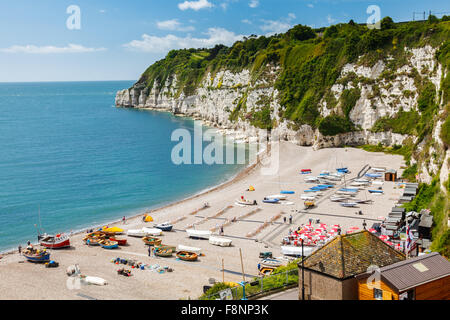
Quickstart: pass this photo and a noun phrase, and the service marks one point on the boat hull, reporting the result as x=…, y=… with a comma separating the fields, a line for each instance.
x=221, y=242
x=32, y=258
x=56, y=244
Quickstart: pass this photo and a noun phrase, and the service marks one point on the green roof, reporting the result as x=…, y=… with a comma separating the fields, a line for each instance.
x=348, y=255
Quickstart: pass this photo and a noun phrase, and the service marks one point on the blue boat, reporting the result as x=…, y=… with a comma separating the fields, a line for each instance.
x=373, y=175
x=326, y=185
x=271, y=200
x=309, y=190
x=317, y=188
x=376, y=191
x=287, y=192
x=164, y=226
x=37, y=256
x=348, y=190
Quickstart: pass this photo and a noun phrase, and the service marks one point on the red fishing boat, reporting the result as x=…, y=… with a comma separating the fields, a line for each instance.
x=54, y=242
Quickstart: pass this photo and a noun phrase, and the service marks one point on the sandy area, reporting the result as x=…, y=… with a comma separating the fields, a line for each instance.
x=24, y=280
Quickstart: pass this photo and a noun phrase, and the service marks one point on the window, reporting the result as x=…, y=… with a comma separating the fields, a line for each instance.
x=378, y=294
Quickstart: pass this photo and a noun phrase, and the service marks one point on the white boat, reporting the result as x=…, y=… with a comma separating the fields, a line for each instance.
x=94, y=280
x=276, y=196
x=136, y=233
x=297, y=251
x=311, y=179
x=358, y=184
x=180, y=247
x=246, y=202
x=202, y=234
x=349, y=204
x=272, y=263
x=338, y=199
x=378, y=169
x=378, y=183
x=152, y=231
x=362, y=181
x=352, y=194
x=307, y=197
x=218, y=241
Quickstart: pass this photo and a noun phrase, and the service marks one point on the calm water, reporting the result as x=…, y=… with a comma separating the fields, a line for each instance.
x=66, y=148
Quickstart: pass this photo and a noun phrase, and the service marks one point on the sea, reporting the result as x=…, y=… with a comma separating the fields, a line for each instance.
x=69, y=159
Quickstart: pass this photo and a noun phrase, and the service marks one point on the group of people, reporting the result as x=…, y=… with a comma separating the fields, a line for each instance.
x=290, y=219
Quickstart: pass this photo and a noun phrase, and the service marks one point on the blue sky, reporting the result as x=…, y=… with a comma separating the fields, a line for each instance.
x=118, y=40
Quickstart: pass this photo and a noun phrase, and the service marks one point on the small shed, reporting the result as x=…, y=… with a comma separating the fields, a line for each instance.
x=426, y=222
x=390, y=175
x=426, y=277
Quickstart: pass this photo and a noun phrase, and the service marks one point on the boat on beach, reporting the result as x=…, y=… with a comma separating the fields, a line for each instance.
x=348, y=204
x=375, y=191
x=151, y=241
x=265, y=200
x=137, y=233
x=36, y=255
x=152, y=231
x=165, y=226
x=276, y=196
x=200, y=234
x=120, y=242
x=246, y=202
x=297, y=251
x=187, y=256
x=219, y=241
x=54, y=242
x=163, y=252
x=181, y=247
x=108, y=244
x=271, y=263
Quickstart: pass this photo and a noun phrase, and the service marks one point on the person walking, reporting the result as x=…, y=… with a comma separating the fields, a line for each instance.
x=221, y=230
x=149, y=251
x=290, y=219
x=284, y=219
x=20, y=249
x=123, y=219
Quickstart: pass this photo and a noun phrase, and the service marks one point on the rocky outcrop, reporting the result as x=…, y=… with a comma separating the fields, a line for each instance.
x=220, y=94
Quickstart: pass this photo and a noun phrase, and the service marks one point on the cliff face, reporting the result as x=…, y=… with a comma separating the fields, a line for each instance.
x=315, y=91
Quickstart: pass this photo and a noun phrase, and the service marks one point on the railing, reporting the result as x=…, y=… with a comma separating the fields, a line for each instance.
x=257, y=286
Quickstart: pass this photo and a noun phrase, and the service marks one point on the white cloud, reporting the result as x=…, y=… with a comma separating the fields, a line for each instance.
x=272, y=27
x=71, y=48
x=330, y=19
x=224, y=5
x=173, y=25
x=253, y=3
x=310, y=5
x=195, y=5
x=164, y=44
x=102, y=11
x=246, y=21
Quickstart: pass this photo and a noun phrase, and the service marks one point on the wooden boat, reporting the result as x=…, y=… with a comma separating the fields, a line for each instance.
x=163, y=252
x=165, y=226
x=152, y=241
x=108, y=244
x=271, y=263
x=54, y=242
x=34, y=255
x=120, y=242
x=181, y=247
x=266, y=271
x=164, y=246
x=218, y=241
x=187, y=256
x=309, y=204
x=152, y=231
x=92, y=241
x=200, y=234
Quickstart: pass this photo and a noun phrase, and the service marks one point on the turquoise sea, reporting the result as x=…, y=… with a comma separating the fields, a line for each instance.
x=65, y=148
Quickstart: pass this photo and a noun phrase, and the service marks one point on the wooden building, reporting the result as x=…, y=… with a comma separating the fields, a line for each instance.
x=329, y=272
x=390, y=175
x=422, y=278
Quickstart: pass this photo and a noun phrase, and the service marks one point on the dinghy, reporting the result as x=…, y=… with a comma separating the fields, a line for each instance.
x=287, y=192
x=307, y=197
x=187, y=256
x=181, y=247
x=163, y=252
x=120, y=242
x=200, y=234
x=311, y=179
x=348, y=204
x=338, y=199
x=271, y=200
x=309, y=204
x=93, y=280
x=218, y=241
x=376, y=191
x=34, y=255
x=276, y=196
x=165, y=226
x=137, y=233
x=271, y=263
x=152, y=241
x=152, y=231
x=244, y=202
x=108, y=244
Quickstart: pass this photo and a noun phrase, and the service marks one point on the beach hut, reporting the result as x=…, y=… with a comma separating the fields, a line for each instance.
x=390, y=175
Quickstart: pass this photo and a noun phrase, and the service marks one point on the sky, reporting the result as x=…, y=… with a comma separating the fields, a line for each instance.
x=95, y=40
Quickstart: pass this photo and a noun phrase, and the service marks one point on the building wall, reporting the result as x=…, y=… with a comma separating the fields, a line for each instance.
x=436, y=290
x=322, y=287
x=366, y=293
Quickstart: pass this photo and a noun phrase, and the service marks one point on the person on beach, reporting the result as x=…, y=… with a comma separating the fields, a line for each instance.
x=149, y=251
x=284, y=219
x=290, y=219
x=123, y=219
x=20, y=249
x=221, y=230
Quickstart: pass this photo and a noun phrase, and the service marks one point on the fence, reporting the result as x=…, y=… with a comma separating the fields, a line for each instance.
x=257, y=286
